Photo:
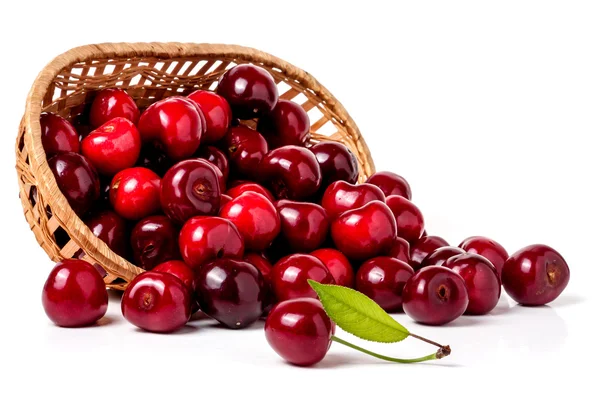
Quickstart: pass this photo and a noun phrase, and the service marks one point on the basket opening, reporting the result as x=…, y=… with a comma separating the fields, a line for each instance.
x=61, y=237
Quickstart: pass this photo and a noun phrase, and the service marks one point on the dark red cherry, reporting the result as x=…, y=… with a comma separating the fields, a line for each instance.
x=409, y=220
x=135, y=193
x=338, y=265
x=337, y=162
x=217, y=158
x=342, y=196
x=423, y=247
x=287, y=124
x=154, y=241
x=440, y=255
x=112, y=103
x=237, y=190
x=391, y=184
x=111, y=229
x=217, y=113
x=400, y=250
x=262, y=264
x=383, y=279
x=289, y=276
x=58, y=135
x=245, y=149
x=154, y=159
x=180, y=270
x=488, y=248
x=304, y=226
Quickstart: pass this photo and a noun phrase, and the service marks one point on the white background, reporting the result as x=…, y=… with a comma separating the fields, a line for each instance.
x=489, y=109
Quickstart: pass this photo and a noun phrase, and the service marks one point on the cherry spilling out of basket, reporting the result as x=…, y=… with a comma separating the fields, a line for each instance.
x=231, y=209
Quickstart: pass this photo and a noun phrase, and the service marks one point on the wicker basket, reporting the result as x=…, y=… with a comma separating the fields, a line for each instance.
x=149, y=72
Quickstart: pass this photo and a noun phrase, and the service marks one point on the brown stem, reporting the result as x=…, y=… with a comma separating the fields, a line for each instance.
x=428, y=341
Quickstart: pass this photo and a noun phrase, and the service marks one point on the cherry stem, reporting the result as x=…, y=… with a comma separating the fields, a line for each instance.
x=441, y=353
x=427, y=340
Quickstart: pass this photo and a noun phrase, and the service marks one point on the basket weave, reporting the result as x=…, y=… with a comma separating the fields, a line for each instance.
x=148, y=72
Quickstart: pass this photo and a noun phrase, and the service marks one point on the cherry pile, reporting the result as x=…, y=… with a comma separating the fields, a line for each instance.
x=233, y=221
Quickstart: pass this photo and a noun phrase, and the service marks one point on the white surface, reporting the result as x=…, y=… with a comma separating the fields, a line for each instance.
x=489, y=109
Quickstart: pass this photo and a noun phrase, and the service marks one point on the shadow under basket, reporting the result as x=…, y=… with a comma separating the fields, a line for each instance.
x=148, y=72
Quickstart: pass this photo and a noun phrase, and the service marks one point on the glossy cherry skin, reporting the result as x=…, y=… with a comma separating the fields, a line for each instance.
x=409, y=219
x=337, y=162
x=74, y=294
x=400, y=250
x=180, y=270
x=300, y=331
x=224, y=200
x=292, y=171
x=113, y=146
x=112, y=103
x=440, y=255
x=287, y=124
x=176, y=124
x=58, y=135
x=111, y=229
x=135, y=193
x=423, y=247
x=238, y=190
x=383, y=279
x=535, y=275
x=156, y=302
x=290, y=274
x=217, y=158
x=365, y=232
x=154, y=241
x=342, y=196
x=203, y=239
x=304, y=226
x=338, y=265
x=435, y=296
x=255, y=217
x=217, y=113
x=488, y=248
x=482, y=280
x=262, y=264
x=231, y=291
x=245, y=149
x=190, y=188
x=153, y=158
x=391, y=184
x=77, y=179
x=250, y=91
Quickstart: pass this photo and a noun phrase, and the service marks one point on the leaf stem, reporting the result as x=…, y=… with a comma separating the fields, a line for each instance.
x=426, y=340
x=441, y=353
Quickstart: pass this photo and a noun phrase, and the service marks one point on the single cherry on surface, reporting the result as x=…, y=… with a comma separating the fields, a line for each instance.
x=74, y=294
x=488, y=248
x=239, y=189
x=217, y=158
x=154, y=241
x=217, y=113
x=410, y=222
x=107, y=226
x=289, y=276
x=180, y=270
x=383, y=279
x=400, y=250
x=287, y=124
x=440, y=255
x=535, y=275
x=423, y=247
x=337, y=162
x=342, y=196
x=58, y=135
x=113, y=103
x=135, y=193
x=304, y=226
x=391, y=184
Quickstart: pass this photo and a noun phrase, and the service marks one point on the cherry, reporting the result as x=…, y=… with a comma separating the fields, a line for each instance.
x=245, y=148
x=342, y=196
x=135, y=193
x=189, y=188
x=292, y=171
x=77, y=180
x=153, y=158
x=383, y=279
x=113, y=146
x=391, y=184
x=409, y=220
x=58, y=135
x=488, y=248
x=156, y=302
x=262, y=264
x=154, y=241
x=423, y=247
x=224, y=200
x=440, y=255
x=217, y=158
x=364, y=232
x=338, y=265
x=74, y=294
x=287, y=124
x=337, y=162
x=232, y=292
x=535, y=275
x=250, y=91
x=237, y=190
x=304, y=226
x=111, y=229
x=289, y=276
x=255, y=217
x=180, y=270
x=400, y=250
x=176, y=124
x=217, y=112
x=435, y=296
x=300, y=331
x=482, y=280
x=112, y=103
x=203, y=239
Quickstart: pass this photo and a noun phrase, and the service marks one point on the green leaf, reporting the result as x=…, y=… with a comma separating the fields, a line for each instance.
x=358, y=314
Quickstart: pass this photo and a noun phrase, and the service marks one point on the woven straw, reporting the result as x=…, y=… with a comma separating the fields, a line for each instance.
x=148, y=72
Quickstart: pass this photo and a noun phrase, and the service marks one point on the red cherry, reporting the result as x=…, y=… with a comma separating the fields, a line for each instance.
x=488, y=248
x=440, y=255
x=217, y=158
x=337, y=162
x=176, y=123
x=154, y=241
x=135, y=193
x=153, y=158
x=482, y=280
x=409, y=220
x=250, y=91
x=338, y=265
x=217, y=112
x=342, y=196
x=289, y=276
x=180, y=270
x=113, y=146
x=156, y=302
x=58, y=135
x=400, y=250
x=423, y=247
x=255, y=217
x=299, y=331
x=364, y=232
x=224, y=200
x=262, y=264
x=245, y=148
x=205, y=238
x=391, y=184
x=111, y=229
x=74, y=294
x=237, y=190
x=112, y=103
x=435, y=296
x=535, y=275
x=383, y=279
x=287, y=124
x=304, y=226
